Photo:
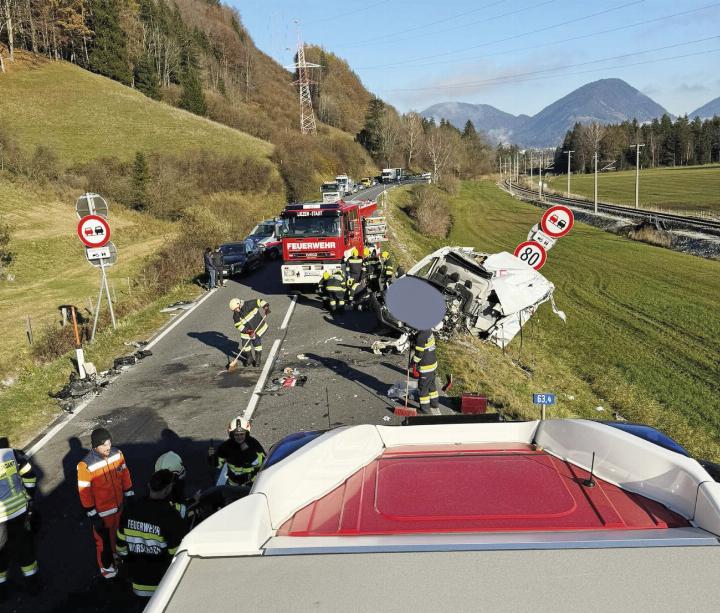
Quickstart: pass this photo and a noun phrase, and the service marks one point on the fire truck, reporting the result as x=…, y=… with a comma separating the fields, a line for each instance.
x=318, y=236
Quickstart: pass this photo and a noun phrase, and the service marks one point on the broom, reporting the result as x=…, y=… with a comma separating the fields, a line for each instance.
x=406, y=411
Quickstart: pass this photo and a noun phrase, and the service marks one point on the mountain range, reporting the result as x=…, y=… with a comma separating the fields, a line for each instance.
x=603, y=101
x=707, y=111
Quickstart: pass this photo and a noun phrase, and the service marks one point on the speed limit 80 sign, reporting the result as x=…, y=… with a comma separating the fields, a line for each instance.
x=532, y=253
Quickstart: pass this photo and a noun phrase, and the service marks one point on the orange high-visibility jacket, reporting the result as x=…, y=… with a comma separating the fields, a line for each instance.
x=103, y=483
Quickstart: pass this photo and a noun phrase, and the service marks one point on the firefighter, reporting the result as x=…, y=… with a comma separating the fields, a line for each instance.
x=250, y=317
x=373, y=267
x=104, y=484
x=17, y=490
x=322, y=289
x=243, y=454
x=425, y=365
x=335, y=288
x=387, y=270
x=354, y=266
x=149, y=535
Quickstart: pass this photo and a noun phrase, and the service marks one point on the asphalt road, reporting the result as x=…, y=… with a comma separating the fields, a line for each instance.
x=182, y=397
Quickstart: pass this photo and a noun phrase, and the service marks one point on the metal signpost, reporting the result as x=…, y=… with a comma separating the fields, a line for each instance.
x=543, y=400
x=94, y=231
x=556, y=222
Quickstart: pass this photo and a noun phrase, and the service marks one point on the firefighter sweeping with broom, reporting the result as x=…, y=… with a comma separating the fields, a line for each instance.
x=250, y=318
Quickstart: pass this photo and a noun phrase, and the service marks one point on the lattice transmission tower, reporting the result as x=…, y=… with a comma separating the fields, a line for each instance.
x=307, y=116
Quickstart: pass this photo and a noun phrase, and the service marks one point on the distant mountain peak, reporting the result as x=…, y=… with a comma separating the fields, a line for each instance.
x=707, y=111
x=610, y=100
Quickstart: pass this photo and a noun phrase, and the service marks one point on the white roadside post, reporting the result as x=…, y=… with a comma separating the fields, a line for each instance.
x=637, y=173
x=569, y=154
x=595, y=157
x=79, y=355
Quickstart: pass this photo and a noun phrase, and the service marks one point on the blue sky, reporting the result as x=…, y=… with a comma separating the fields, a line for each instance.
x=517, y=55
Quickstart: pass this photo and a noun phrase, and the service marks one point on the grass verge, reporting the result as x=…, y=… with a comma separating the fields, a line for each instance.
x=643, y=330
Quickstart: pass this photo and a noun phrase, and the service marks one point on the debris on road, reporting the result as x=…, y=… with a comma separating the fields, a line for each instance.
x=291, y=377
x=183, y=305
x=136, y=344
x=302, y=356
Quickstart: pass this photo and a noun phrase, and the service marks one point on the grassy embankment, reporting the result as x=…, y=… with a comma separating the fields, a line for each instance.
x=689, y=189
x=642, y=334
x=81, y=117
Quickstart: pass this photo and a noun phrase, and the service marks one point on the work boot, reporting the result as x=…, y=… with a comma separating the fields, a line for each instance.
x=257, y=361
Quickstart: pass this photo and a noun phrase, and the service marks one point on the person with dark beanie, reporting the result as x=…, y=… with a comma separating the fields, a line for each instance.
x=104, y=484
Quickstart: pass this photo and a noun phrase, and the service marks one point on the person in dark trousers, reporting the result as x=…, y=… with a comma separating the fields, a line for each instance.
x=209, y=268
x=149, y=535
x=322, y=289
x=243, y=454
x=17, y=490
x=425, y=363
x=387, y=270
x=373, y=268
x=354, y=266
x=104, y=484
x=217, y=260
x=250, y=318
x=335, y=287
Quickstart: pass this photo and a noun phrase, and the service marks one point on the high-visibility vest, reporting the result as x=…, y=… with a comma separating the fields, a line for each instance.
x=13, y=497
x=424, y=357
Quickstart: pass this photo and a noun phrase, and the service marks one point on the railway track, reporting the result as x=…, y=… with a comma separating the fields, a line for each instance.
x=667, y=221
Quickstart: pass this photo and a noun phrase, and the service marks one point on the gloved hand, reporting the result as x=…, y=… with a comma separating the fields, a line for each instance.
x=266, y=310
x=415, y=374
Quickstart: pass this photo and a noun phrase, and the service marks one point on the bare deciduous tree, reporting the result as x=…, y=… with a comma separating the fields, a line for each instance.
x=411, y=136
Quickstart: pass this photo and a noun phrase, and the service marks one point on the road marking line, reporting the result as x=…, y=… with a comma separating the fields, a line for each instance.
x=57, y=427
x=250, y=409
x=289, y=313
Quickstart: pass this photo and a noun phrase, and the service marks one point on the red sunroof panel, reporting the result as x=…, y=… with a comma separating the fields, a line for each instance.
x=479, y=489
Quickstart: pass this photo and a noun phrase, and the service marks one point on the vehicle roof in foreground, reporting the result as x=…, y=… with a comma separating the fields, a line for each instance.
x=456, y=515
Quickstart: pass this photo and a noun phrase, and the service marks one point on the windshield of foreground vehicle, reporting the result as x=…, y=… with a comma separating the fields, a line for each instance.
x=312, y=226
x=263, y=230
x=234, y=249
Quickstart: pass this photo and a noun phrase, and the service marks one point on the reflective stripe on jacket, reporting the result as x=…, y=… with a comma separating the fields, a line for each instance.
x=249, y=317
x=103, y=483
x=17, y=483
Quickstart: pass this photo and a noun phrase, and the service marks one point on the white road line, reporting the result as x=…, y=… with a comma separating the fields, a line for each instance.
x=250, y=409
x=289, y=313
x=55, y=429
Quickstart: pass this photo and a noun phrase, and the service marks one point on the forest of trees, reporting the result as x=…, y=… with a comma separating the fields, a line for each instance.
x=667, y=143
x=411, y=141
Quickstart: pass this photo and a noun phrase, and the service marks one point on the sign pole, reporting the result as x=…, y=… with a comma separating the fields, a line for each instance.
x=97, y=310
x=107, y=293
x=542, y=412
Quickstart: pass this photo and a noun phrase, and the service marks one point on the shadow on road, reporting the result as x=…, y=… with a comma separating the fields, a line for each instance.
x=217, y=340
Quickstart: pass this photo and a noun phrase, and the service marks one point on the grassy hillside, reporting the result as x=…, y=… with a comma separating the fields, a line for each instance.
x=642, y=335
x=688, y=188
x=82, y=116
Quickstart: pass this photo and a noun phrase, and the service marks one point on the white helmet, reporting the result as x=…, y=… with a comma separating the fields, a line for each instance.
x=238, y=423
x=171, y=461
x=236, y=303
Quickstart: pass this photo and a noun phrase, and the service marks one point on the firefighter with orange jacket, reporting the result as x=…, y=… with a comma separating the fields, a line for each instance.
x=104, y=483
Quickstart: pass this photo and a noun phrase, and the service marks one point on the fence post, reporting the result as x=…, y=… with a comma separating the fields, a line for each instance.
x=28, y=329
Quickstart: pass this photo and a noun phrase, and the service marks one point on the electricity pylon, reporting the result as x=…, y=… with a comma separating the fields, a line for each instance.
x=307, y=116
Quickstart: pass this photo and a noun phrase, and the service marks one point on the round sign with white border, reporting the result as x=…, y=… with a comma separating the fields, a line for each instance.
x=557, y=221
x=94, y=231
x=532, y=253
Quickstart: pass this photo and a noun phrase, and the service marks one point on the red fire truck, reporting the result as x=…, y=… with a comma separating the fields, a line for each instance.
x=317, y=236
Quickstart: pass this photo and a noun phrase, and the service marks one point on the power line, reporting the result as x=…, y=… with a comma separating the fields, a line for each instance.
x=502, y=40
x=555, y=42
x=422, y=27
x=518, y=77
x=353, y=12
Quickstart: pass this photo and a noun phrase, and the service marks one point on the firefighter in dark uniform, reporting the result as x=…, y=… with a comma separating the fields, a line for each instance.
x=373, y=267
x=250, y=318
x=322, y=290
x=17, y=490
x=387, y=270
x=354, y=266
x=149, y=534
x=335, y=288
x=425, y=363
x=243, y=454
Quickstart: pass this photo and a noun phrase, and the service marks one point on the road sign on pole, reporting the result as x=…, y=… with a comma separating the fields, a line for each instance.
x=537, y=235
x=532, y=253
x=91, y=204
x=557, y=221
x=543, y=400
x=94, y=231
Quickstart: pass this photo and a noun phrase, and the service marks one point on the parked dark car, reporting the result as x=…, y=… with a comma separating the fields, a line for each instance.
x=239, y=258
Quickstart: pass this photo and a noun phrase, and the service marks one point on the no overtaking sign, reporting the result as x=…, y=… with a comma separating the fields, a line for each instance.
x=94, y=231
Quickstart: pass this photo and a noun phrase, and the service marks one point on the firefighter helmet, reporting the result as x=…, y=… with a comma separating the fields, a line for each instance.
x=366, y=252
x=326, y=275
x=384, y=255
x=235, y=303
x=354, y=252
x=238, y=423
x=172, y=462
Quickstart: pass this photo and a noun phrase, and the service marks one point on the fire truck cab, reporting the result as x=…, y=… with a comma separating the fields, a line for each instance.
x=318, y=236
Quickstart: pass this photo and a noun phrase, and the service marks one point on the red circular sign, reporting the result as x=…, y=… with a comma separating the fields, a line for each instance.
x=532, y=253
x=557, y=221
x=94, y=231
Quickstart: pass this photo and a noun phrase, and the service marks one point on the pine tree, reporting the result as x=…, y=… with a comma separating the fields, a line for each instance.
x=192, y=98
x=370, y=136
x=140, y=177
x=469, y=131
x=108, y=54
x=146, y=80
